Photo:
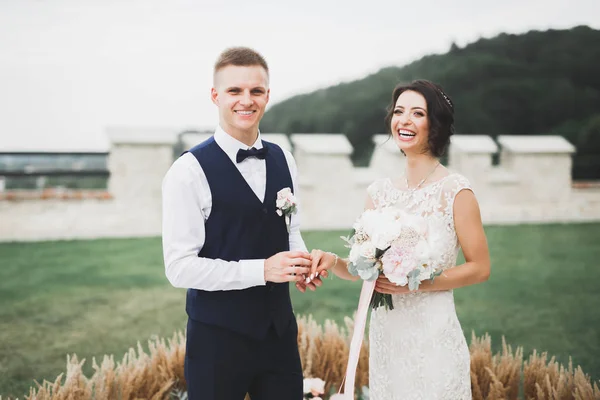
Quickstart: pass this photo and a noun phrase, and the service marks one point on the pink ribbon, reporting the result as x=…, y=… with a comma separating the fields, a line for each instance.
x=357, y=337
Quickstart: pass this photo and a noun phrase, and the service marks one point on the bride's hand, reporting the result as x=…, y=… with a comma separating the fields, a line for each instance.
x=383, y=285
x=312, y=285
x=318, y=270
x=321, y=262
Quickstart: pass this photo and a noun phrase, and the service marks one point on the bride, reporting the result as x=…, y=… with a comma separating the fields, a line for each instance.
x=418, y=349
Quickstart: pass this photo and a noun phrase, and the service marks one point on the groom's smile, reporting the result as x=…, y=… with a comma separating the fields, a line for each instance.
x=244, y=112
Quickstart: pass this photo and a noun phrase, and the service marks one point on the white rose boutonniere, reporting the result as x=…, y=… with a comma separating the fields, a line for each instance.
x=286, y=205
x=313, y=388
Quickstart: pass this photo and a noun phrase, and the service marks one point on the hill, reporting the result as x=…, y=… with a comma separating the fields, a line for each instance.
x=537, y=83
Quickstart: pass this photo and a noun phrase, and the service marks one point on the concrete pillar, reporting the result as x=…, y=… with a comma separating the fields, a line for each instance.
x=542, y=163
x=329, y=194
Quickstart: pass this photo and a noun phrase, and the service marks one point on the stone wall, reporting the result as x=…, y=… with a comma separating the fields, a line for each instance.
x=137, y=162
x=532, y=183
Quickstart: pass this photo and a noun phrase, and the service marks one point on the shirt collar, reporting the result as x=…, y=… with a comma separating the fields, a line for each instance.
x=231, y=145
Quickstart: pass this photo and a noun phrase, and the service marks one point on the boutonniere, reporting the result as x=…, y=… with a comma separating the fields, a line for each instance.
x=286, y=205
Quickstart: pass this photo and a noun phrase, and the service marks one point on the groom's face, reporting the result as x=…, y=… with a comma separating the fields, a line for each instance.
x=241, y=93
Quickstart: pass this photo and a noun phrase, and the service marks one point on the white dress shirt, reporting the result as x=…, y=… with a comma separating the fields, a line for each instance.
x=187, y=203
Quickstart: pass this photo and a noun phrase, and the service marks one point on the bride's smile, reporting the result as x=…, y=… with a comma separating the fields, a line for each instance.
x=410, y=123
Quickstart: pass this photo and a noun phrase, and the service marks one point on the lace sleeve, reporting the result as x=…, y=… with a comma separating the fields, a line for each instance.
x=452, y=187
x=380, y=193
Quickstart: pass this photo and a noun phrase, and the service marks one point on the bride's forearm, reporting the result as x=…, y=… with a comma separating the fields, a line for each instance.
x=469, y=273
x=341, y=270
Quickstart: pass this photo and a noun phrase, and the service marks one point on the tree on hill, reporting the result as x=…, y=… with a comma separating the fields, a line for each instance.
x=530, y=84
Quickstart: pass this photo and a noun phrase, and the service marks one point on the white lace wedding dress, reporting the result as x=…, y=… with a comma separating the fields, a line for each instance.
x=418, y=350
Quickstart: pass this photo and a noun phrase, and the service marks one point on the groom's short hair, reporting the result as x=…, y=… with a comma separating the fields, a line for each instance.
x=241, y=57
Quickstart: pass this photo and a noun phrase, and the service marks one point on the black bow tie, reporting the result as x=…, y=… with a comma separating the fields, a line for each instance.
x=253, y=152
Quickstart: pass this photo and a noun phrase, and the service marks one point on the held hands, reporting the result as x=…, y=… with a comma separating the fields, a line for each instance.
x=321, y=262
x=298, y=266
x=287, y=266
x=313, y=284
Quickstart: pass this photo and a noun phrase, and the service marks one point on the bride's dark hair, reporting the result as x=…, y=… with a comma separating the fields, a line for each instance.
x=440, y=113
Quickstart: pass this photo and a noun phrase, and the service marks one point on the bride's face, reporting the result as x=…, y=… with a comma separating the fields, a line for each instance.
x=410, y=123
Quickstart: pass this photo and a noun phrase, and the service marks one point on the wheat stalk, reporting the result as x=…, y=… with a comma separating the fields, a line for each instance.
x=158, y=373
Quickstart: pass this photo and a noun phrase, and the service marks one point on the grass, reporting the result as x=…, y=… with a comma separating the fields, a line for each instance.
x=102, y=296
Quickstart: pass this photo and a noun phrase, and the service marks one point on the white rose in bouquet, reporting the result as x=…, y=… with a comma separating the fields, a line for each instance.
x=368, y=250
x=381, y=226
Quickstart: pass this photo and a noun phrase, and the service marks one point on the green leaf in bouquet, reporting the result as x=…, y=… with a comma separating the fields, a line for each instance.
x=365, y=268
x=352, y=269
x=349, y=239
x=364, y=263
x=435, y=274
x=369, y=274
x=413, y=278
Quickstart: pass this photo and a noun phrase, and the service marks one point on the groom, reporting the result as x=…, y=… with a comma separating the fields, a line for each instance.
x=224, y=241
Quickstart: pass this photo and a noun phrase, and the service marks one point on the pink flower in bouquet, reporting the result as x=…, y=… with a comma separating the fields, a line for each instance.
x=397, y=263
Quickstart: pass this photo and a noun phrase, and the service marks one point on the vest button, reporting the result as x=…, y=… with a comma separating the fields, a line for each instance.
x=265, y=210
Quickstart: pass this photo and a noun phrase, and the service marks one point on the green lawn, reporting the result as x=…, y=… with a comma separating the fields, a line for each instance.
x=102, y=296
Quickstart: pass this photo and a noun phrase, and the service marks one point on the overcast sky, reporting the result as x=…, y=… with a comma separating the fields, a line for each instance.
x=70, y=68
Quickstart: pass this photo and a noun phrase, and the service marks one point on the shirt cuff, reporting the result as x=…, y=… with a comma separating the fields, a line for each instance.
x=253, y=272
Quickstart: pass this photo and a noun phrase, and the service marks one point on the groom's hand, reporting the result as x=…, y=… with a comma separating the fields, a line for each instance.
x=287, y=266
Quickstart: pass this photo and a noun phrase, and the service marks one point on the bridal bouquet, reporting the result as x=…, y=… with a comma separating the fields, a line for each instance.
x=392, y=242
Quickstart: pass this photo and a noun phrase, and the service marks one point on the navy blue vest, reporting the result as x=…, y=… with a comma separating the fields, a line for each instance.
x=241, y=227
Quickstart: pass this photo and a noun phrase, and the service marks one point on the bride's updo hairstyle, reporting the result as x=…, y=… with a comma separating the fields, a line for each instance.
x=440, y=112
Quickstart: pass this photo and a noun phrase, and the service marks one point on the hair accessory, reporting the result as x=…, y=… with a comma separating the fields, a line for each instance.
x=447, y=99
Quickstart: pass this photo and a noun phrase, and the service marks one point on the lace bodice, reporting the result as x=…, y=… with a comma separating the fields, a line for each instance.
x=418, y=349
x=434, y=202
